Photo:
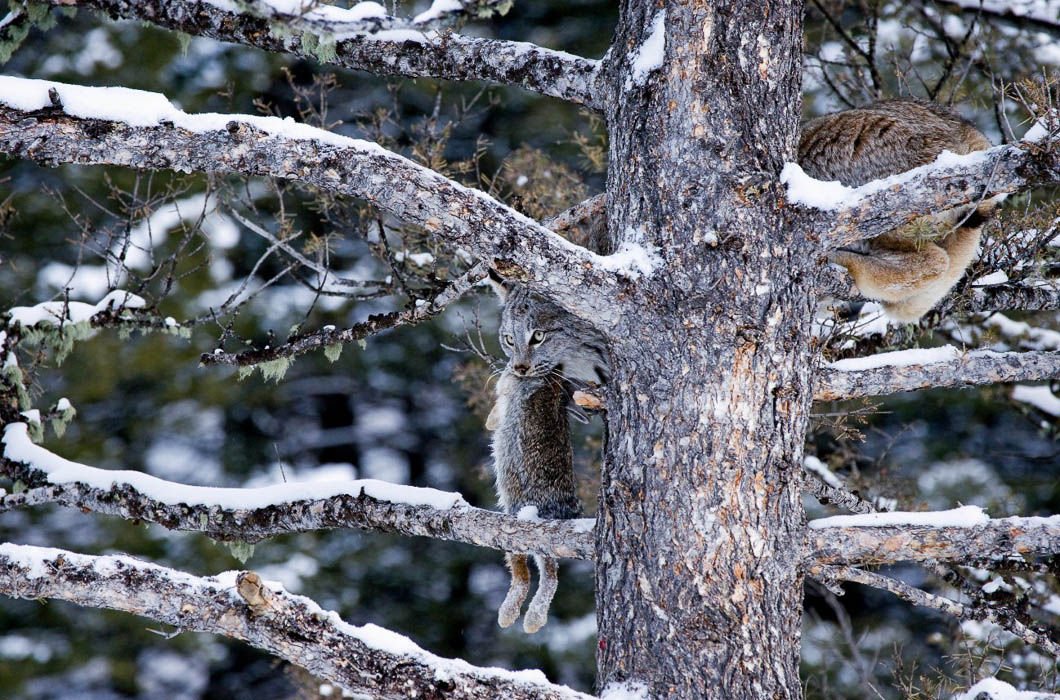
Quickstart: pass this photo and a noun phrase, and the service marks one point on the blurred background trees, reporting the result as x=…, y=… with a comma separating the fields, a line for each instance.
x=239, y=263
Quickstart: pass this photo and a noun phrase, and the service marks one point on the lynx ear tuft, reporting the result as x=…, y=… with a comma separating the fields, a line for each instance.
x=499, y=284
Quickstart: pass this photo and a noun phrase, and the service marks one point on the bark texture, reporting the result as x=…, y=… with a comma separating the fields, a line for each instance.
x=698, y=584
x=890, y=544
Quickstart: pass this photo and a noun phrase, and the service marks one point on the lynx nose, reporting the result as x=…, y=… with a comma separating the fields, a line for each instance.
x=521, y=368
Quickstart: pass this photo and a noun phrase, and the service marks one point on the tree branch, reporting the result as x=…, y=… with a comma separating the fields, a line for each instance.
x=1016, y=13
x=365, y=660
x=923, y=599
x=888, y=544
x=143, y=130
x=251, y=515
x=375, y=44
x=883, y=205
x=846, y=380
x=303, y=343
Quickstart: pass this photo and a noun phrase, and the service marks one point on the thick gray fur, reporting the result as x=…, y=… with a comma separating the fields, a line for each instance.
x=549, y=351
x=533, y=464
x=569, y=345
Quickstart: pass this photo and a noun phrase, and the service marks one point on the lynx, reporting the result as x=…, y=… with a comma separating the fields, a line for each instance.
x=910, y=269
x=550, y=352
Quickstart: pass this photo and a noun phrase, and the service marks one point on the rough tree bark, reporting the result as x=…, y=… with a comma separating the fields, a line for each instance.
x=698, y=585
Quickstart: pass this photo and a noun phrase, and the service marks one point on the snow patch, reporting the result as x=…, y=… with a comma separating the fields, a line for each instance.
x=57, y=312
x=812, y=464
x=436, y=10
x=650, y=55
x=629, y=690
x=19, y=448
x=993, y=689
x=1038, y=396
x=965, y=516
x=140, y=108
x=528, y=513
x=632, y=259
x=832, y=195
x=899, y=358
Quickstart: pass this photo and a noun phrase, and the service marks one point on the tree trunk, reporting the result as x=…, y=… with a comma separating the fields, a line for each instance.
x=699, y=590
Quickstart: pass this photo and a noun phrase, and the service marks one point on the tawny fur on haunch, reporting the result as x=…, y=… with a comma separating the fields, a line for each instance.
x=911, y=268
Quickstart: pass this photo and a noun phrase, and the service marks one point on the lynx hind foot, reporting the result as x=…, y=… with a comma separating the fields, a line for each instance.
x=512, y=606
x=548, y=581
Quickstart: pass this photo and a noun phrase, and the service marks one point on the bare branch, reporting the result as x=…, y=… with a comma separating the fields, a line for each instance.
x=155, y=135
x=251, y=515
x=834, y=495
x=1025, y=295
x=961, y=611
x=888, y=544
x=364, y=660
x=840, y=381
x=301, y=344
x=375, y=44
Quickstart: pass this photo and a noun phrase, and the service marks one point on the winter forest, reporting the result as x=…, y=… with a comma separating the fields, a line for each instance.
x=248, y=351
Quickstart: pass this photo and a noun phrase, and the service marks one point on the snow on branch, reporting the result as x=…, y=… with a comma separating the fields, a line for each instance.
x=53, y=123
x=365, y=38
x=845, y=215
x=963, y=534
x=251, y=515
x=366, y=660
x=909, y=370
x=961, y=611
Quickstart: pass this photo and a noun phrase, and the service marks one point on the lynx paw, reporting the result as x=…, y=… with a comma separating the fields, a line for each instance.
x=536, y=617
x=510, y=610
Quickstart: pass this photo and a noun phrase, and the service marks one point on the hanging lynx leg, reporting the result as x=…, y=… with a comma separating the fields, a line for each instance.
x=960, y=246
x=548, y=580
x=513, y=602
x=894, y=270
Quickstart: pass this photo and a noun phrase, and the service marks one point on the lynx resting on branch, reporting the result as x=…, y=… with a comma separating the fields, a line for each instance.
x=911, y=268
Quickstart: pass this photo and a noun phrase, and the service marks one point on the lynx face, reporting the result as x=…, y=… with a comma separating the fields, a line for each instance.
x=539, y=337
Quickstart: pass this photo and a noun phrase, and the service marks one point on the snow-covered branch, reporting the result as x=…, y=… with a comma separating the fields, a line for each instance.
x=962, y=612
x=253, y=514
x=909, y=370
x=364, y=38
x=846, y=215
x=964, y=534
x=53, y=123
x=366, y=660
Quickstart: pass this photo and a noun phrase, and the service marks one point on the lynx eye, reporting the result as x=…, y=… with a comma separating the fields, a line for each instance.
x=537, y=337
x=508, y=339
